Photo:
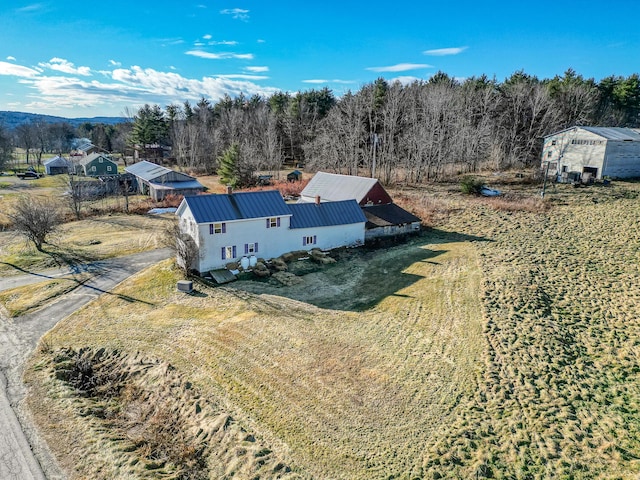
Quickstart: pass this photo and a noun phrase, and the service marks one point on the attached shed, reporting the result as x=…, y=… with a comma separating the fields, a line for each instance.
x=57, y=166
x=332, y=187
x=158, y=181
x=389, y=220
x=596, y=152
x=98, y=165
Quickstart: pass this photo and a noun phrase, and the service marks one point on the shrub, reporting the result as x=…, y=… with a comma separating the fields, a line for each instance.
x=471, y=185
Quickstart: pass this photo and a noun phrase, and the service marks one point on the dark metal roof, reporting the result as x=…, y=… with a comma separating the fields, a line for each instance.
x=237, y=206
x=306, y=215
x=190, y=185
x=387, y=215
x=615, y=133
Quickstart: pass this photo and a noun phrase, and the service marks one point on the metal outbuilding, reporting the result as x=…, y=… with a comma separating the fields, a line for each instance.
x=158, y=181
x=57, y=166
x=592, y=152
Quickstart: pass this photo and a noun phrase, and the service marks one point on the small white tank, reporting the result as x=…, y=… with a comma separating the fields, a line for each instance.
x=253, y=260
x=244, y=262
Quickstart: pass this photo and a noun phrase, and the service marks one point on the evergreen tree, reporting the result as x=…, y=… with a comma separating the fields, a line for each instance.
x=228, y=168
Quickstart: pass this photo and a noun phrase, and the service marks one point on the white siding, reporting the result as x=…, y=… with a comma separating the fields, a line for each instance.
x=574, y=149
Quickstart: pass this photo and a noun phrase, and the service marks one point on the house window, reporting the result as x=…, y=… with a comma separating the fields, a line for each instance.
x=100, y=160
x=309, y=240
x=553, y=142
x=108, y=168
x=93, y=168
x=273, y=222
x=217, y=228
x=549, y=154
x=229, y=252
x=250, y=248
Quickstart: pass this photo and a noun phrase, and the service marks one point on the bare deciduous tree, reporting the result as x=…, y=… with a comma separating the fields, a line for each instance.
x=36, y=218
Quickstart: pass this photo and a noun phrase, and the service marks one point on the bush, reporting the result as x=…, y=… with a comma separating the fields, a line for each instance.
x=471, y=185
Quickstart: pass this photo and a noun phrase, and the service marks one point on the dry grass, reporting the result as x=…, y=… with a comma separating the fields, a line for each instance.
x=331, y=393
x=21, y=300
x=503, y=344
x=83, y=241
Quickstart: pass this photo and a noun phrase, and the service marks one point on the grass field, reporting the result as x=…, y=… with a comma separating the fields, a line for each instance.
x=83, y=241
x=501, y=344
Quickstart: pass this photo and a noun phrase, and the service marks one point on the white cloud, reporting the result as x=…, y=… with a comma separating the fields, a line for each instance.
x=243, y=76
x=113, y=63
x=17, y=70
x=219, y=56
x=224, y=42
x=400, y=67
x=207, y=37
x=11, y=58
x=64, y=66
x=257, y=69
x=261, y=41
x=322, y=80
x=237, y=13
x=405, y=79
x=30, y=8
x=441, y=52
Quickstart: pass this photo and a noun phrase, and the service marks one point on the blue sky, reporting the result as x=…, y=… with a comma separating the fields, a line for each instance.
x=79, y=59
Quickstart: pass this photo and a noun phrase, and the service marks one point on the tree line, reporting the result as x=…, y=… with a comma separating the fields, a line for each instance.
x=416, y=132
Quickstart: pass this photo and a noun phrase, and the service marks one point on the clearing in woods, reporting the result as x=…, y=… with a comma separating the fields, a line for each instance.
x=503, y=344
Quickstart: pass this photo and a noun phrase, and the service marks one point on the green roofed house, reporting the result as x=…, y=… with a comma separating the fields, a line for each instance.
x=98, y=165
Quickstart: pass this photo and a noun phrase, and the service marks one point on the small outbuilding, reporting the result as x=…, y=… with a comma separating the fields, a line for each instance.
x=294, y=176
x=158, y=181
x=57, y=166
x=98, y=165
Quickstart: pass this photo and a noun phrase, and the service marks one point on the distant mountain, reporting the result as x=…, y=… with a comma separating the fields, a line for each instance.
x=11, y=120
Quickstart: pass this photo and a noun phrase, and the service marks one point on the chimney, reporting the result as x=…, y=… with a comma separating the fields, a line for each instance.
x=317, y=199
x=229, y=189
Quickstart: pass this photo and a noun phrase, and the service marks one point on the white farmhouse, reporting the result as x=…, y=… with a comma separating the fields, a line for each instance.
x=227, y=227
x=595, y=151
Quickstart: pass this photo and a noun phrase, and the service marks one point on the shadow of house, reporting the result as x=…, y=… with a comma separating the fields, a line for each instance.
x=158, y=181
x=371, y=275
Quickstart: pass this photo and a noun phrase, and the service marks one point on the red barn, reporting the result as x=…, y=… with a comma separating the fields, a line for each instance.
x=331, y=187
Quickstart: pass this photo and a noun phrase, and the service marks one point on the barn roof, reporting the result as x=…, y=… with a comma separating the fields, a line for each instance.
x=345, y=212
x=387, y=215
x=609, y=133
x=236, y=206
x=615, y=133
x=333, y=187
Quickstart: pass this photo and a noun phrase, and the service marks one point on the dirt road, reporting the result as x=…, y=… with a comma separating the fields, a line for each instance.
x=18, y=338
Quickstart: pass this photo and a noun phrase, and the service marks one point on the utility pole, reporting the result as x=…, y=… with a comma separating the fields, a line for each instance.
x=544, y=182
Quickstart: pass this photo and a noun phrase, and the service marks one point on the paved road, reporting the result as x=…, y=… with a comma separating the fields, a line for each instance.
x=18, y=437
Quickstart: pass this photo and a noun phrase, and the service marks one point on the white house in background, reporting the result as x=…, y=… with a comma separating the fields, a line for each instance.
x=595, y=151
x=227, y=227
